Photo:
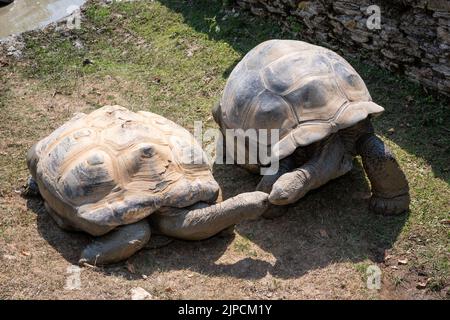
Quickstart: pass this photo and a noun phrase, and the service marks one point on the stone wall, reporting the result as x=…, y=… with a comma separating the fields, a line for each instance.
x=413, y=38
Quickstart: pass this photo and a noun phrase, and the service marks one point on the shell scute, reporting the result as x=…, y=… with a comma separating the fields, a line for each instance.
x=350, y=82
x=239, y=96
x=283, y=75
x=89, y=179
x=318, y=98
x=270, y=111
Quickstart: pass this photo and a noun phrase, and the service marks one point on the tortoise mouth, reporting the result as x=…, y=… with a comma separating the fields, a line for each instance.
x=312, y=131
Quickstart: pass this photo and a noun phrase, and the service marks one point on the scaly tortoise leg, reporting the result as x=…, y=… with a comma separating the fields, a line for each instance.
x=330, y=161
x=390, y=191
x=117, y=245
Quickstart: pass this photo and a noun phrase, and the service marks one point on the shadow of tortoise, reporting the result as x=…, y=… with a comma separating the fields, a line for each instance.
x=331, y=224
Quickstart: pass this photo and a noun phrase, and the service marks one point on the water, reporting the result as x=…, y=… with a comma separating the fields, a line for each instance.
x=24, y=15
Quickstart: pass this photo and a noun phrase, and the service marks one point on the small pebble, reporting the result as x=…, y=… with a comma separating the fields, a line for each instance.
x=403, y=262
x=139, y=293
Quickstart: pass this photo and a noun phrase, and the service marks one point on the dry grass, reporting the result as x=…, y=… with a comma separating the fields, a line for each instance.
x=172, y=57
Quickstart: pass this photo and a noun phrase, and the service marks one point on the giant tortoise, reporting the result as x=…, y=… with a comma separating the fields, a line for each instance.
x=105, y=172
x=322, y=109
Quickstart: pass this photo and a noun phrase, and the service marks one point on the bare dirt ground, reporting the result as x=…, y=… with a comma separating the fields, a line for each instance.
x=169, y=57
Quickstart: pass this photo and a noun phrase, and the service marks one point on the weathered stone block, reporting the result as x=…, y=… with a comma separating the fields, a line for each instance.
x=443, y=35
x=439, y=5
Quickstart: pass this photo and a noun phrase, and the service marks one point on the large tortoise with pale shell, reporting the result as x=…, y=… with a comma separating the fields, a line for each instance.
x=322, y=109
x=105, y=172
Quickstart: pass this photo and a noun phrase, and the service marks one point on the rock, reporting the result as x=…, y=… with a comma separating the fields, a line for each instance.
x=14, y=52
x=442, y=14
x=323, y=233
x=346, y=8
x=139, y=293
x=14, y=46
x=443, y=85
x=257, y=11
x=87, y=62
x=443, y=34
x=78, y=44
x=359, y=36
x=421, y=285
x=403, y=262
x=439, y=5
x=445, y=70
x=25, y=253
x=388, y=54
x=394, y=267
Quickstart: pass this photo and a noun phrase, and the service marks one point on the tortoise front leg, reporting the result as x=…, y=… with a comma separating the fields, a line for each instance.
x=329, y=161
x=390, y=191
x=266, y=183
x=202, y=221
x=117, y=245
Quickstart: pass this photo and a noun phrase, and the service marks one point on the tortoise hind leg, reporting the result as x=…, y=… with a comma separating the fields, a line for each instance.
x=390, y=191
x=117, y=245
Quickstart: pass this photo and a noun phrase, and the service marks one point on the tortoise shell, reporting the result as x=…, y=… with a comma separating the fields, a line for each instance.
x=305, y=91
x=114, y=167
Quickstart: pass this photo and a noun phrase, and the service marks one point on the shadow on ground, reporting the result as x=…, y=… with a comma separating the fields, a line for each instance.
x=330, y=225
x=199, y=256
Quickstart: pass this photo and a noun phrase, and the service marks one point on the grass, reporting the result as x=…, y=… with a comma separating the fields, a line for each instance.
x=173, y=58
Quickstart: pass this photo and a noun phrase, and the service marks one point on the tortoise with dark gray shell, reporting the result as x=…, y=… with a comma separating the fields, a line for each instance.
x=322, y=109
x=105, y=172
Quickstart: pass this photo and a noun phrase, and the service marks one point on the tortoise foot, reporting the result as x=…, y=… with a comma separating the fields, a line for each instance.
x=392, y=206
